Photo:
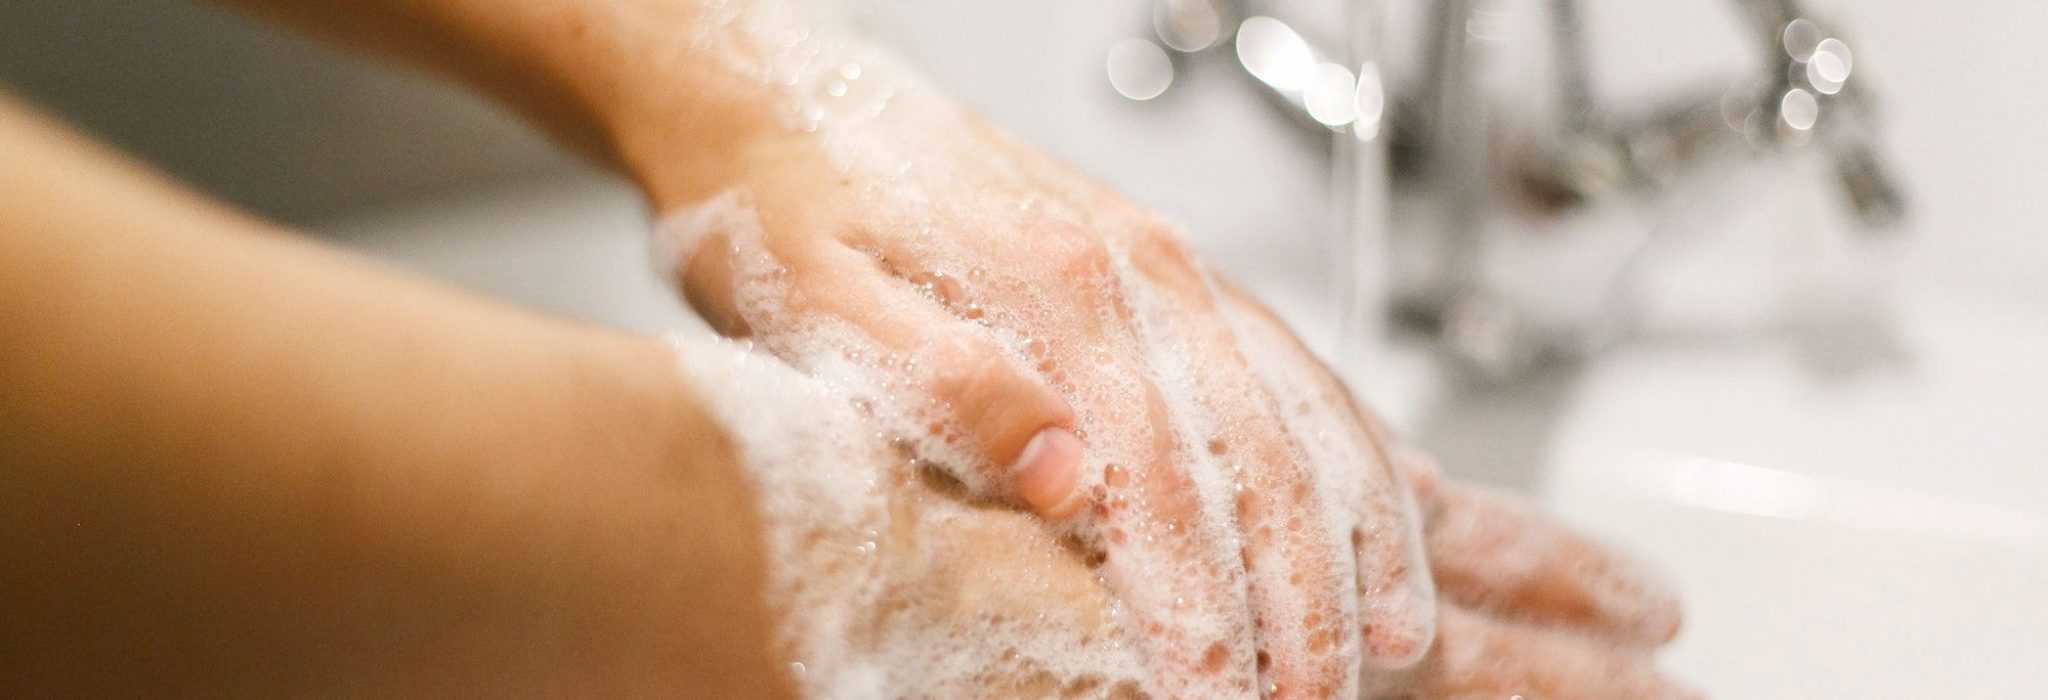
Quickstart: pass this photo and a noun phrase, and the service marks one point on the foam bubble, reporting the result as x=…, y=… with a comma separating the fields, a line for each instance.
x=1165, y=610
x=892, y=397
x=865, y=557
x=1368, y=502
x=1193, y=357
x=820, y=77
x=970, y=228
x=679, y=234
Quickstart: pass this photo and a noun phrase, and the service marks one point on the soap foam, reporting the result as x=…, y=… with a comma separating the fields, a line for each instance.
x=889, y=389
x=1160, y=587
x=840, y=397
x=1393, y=583
x=1171, y=321
x=864, y=556
x=818, y=76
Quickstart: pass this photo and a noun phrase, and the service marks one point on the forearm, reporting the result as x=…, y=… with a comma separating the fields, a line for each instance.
x=237, y=463
x=666, y=91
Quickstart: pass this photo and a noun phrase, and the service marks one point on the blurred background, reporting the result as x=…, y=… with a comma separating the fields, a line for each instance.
x=1800, y=364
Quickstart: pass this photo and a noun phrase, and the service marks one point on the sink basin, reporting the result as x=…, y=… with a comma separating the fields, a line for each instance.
x=1877, y=536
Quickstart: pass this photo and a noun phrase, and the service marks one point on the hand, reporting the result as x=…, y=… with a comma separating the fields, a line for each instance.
x=1578, y=621
x=892, y=578
x=1049, y=344
x=1534, y=610
x=1528, y=608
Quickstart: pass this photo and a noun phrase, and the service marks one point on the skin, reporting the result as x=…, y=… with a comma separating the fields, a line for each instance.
x=1580, y=620
x=1487, y=648
x=1535, y=635
x=223, y=433
x=600, y=75
x=866, y=273
x=239, y=464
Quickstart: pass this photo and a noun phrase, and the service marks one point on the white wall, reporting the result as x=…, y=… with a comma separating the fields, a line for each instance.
x=271, y=121
x=295, y=131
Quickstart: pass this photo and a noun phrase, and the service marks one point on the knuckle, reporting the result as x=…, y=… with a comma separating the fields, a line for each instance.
x=975, y=372
x=1079, y=256
x=1162, y=256
x=992, y=398
x=956, y=356
x=708, y=286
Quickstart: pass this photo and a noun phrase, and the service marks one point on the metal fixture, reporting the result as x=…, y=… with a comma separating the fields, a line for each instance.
x=1459, y=165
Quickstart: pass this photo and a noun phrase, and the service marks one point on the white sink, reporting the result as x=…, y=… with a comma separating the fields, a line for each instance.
x=1875, y=537
x=1882, y=537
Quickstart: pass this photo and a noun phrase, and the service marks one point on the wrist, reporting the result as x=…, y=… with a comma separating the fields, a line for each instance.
x=667, y=90
x=689, y=93
x=691, y=113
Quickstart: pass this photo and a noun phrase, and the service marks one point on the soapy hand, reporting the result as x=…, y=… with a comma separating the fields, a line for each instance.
x=892, y=581
x=1498, y=637
x=1531, y=609
x=1527, y=607
x=1045, y=343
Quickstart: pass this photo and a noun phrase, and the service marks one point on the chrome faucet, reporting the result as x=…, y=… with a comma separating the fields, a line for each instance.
x=1471, y=183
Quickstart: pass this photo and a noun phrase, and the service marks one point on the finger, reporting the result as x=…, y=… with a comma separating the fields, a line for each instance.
x=1481, y=657
x=1493, y=554
x=696, y=249
x=1158, y=533
x=1397, y=599
x=1171, y=554
x=994, y=424
x=1300, y=576
x=1019, y=430
x=1174, y=562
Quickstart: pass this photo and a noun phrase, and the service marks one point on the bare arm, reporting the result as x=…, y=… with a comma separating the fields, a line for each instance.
x=233, y=463
x=1053, y=345
x=662, y=90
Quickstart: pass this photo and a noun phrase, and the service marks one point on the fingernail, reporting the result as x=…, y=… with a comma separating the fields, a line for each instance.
x=1648, y=598
x=1047, y=472
x=1400, y=626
